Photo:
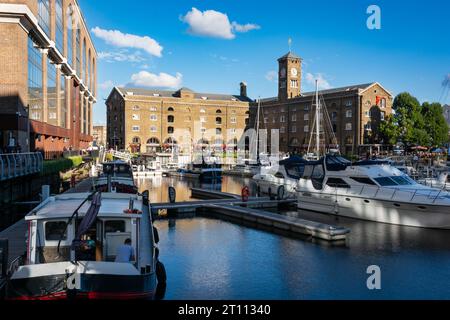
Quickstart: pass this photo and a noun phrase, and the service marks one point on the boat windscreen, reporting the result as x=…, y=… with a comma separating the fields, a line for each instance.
x=401, y=181
x=295, y=171
x=386, y=182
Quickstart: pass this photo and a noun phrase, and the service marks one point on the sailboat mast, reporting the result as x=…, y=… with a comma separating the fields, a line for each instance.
x=257, y=129
x=317, y=119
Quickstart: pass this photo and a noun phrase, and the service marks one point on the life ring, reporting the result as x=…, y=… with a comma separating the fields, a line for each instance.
x=245, y=194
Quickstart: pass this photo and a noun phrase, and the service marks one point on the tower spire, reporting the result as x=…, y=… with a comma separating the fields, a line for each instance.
x=290, y=44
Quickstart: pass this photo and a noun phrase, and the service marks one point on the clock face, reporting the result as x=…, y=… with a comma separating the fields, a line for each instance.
x=294, y=72
x=283, y=73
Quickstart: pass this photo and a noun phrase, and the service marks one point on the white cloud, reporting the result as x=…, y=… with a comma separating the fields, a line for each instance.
x=122, y=40
x=121, y=56
x=323, y=83
x=211, y=23
x=271, y=75
x=244, y=28
x=106, y=85
x=162, y=80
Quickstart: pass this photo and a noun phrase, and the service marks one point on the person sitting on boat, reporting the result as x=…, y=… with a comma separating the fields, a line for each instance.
x=125, y=252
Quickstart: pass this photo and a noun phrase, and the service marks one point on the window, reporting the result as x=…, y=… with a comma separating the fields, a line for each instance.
x=54, y=231
x=171, y=109
x=294, y=118
x=83, y=71
x=44, y=16
x=35, y=89
x=153, y=109
x=306, y=117
x=306, y=129
x=202, y=119
x=294, y=84
x=279, y=175
x=70, y=29
x=401, y=181
x=233, y=130
x=294, y=129
x=337, y=183
x=233, y=120
x=282, y=130
x=385, y=182
x=364, y=180
x=59, y=25
x=348, y=103
x=136, y=140
x=282, y=119
x=62, y=97
x=306, y=108
x=153, y=129
x=136, y=108
x=368, y=127
x=219, y=120
x=334, y=128
x=203, y=130
x=136, y=128
x=349, y=113
x=266, y=120
x=170, y=119
x=115, y=226
x=218, y=131
x=78, y=50
x=348, y=127
x=153, y=117
x=52, y=97
x=383, y=103
x=202, y=111
x=219, y=111
x=136, y=117
x=170, y=130
x=382, y=115
x=367, y=114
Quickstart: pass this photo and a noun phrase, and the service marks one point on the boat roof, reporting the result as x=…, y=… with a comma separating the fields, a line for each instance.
x=293, y=160
x=63, y=206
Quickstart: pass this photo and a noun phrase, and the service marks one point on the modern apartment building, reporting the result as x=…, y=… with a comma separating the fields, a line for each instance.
x=48, y=76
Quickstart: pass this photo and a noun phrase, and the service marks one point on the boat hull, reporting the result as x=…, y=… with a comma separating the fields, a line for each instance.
x=92, y=287
x=384, y=211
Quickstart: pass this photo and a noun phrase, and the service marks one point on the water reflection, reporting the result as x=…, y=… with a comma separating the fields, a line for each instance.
x=158, y=187
x=214, y=259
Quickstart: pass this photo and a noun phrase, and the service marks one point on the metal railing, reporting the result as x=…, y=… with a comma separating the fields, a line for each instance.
x=20, y=164
x=122, y=155
x=393, y=194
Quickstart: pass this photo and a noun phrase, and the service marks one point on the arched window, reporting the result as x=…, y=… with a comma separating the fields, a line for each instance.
x=78, y=50
x=218, y=130
x=93, y=76
x=170, y=130
x=218, y=120
x=171, y=141
x=202, y=111
x=137, y=140
x=170, y=109
x=88, y=74
x=136, y=108
x=219, y=111
x=153, y=142
x=170, y=119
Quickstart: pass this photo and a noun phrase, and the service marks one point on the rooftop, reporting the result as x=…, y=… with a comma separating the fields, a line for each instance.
x=351, y=88
x=290, y=55
x=175, y=94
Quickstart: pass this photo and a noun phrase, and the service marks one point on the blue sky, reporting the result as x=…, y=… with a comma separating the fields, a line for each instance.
x=411, y=52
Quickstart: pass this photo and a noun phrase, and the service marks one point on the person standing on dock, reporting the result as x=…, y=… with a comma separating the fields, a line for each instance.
x=125, y=253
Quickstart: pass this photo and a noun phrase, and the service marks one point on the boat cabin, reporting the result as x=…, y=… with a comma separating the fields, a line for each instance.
x=51, y=232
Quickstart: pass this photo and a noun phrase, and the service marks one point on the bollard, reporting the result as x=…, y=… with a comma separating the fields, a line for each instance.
x=45, y=193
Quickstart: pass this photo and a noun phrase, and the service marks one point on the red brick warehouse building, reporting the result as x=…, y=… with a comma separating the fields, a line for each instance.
x=48, y=76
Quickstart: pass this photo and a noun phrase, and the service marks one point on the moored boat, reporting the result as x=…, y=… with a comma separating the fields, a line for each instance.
x=73, y=242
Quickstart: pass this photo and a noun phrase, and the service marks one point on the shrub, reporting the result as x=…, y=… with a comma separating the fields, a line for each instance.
x=61, y=165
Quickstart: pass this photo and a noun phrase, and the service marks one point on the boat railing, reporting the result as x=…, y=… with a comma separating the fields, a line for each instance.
x=408, y=195
x=15, y=264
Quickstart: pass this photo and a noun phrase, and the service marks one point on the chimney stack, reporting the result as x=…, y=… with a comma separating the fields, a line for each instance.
x=243, y=89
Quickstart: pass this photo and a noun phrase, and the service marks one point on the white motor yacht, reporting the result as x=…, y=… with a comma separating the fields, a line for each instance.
x=371, y=190
x=284, y=174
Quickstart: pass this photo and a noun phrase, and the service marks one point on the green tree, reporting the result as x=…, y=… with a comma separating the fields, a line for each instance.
x=435, y=124
x=389, y=130
x=409, y=118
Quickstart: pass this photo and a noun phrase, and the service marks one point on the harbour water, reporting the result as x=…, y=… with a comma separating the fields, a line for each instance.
x=212, y=259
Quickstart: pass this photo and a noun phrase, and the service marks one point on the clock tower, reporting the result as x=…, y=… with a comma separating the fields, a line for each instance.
x=289, y=76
